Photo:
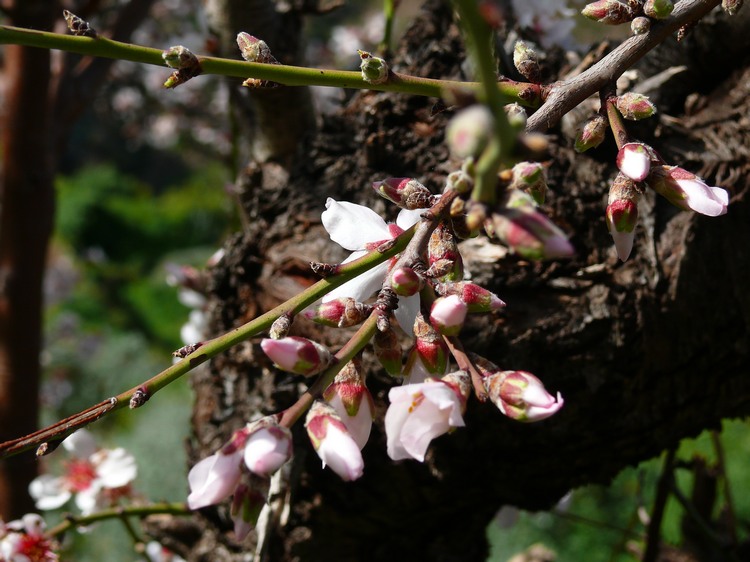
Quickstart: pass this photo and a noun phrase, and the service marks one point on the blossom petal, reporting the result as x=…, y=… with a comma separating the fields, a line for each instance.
x=352, y=226
x=406, y=218
x=214, y=479
x=703, y=199
x=49, y=492
x=339, y=451
x=115, y=468
x=80, y=444
x=360, y=424
x=362, y=287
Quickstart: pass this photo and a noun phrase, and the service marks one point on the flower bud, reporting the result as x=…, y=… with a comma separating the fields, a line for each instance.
x=448, y=314
x=608, y=12
x=374, y=69
x=332, y=441
x=297, y=355
x=388, y=351
x=517, y=116
x=530, y=234
x=280, y=327
x=622, y=214
x=470, y=130
x=179, y=57
x=687, y=191
x=591, y=134
x=521, y=396
x=634, y=106
x=460, y=181
x=429, y=347
x=407, y=193
x=343, y=312
x=658, y=9
x=477, y=299
x=443, y=255
x=267, y=448
x=351, y=399
x=529, y=177
x=253, y=49
x=640, y=26
x=526, y=61
x=406, y=282
x=634, y=160
x=247, y=503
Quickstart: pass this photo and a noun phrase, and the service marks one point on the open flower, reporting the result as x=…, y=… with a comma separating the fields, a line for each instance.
x=23, y=540
x=96, y=477
x=361, y=230
x=420, y=412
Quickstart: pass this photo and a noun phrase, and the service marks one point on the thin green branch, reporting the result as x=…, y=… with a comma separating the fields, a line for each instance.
x=526, y=94
x=73, y=521
x=206, y=351
x=389, y=11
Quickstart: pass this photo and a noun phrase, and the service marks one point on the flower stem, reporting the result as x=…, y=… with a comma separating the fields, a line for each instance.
x=616, y=122
x=72, y=521
x=280, y=73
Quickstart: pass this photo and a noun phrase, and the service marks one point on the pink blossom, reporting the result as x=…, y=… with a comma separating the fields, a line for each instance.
x=418, y=414
x=448, y=314
x=297, y=355
x=267, y=449
x=634, y=160
x=688, y=192
x=23, y=540
x=521, y=396
x=333, y=442
x=214, y=478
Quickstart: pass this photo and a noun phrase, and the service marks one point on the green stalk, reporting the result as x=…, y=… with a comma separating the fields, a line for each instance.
x=389, y=11
x=282, y=74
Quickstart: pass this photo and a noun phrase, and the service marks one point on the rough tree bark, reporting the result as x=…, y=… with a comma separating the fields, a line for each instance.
x=645, y=353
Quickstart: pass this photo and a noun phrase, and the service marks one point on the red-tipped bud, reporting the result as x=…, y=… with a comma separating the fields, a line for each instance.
x=339, y=313
x=352, y=401
x=406, y=282
x=622, y=214
x=529, y=177
x=407, y=193
x=530, y=234
x=470, y=130
x=430, y=347
x=374, y=69
x=687, y=191
x=477, y=299
x=267, y=448
x=591, y=134
x=297, y=355
x=388, y=351
x=634, y=106
x=526, y=61
x=521, y=396
x=333, y=442
x=640, y=26
x=448, y=314
x=658, y=9
x=608, y=12
x=634, y=160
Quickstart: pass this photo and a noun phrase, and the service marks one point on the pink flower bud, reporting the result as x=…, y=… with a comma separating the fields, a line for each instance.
x=448, y=314
x=406, y=282
x=477, y=299
x=267, y=449
x=634, y=106
x=634, y=160
x=622, y=214
x=388, y=351
x=688, y=192
x=213, y=479
x=608, y=12
x=658, y=9
x=332, y=441
x=339, y=313
x=529, y=177
x=418, y=414
x=352, y=401
x=443, y=255
x=521, y=396
x=530, y=234
x=407, y=193
x=526, y=62
x=429, y=347
x=297, y=355
x=470, y=130
x=591, y=134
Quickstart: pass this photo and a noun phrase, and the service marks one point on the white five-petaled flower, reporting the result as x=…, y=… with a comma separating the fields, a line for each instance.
x=23, y=540
x=96, y=477
x=361, y=230
x=418, y=413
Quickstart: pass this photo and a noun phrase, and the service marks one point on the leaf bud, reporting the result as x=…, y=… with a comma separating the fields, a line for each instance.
x=374, y=69
x=526, y=61
x=640, y=25
x=658, y=9
x=407, y=193
x=609, y=12
x=388, y=351
x=634, y=106
x=591, y=134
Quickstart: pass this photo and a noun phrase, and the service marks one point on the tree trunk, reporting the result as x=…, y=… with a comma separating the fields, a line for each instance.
x=645, y=353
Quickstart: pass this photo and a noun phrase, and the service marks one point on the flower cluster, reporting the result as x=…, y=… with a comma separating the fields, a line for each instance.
x=95, y=477
x=23, y=540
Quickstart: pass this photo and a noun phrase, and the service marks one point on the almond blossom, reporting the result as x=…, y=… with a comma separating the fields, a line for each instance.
x=23, y=540
x=360, y=229
x=421, y=412
x=95, y=477
x=688, y=192
x=333, y=442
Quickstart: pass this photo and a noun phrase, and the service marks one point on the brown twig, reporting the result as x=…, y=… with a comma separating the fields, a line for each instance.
x=564, y=96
